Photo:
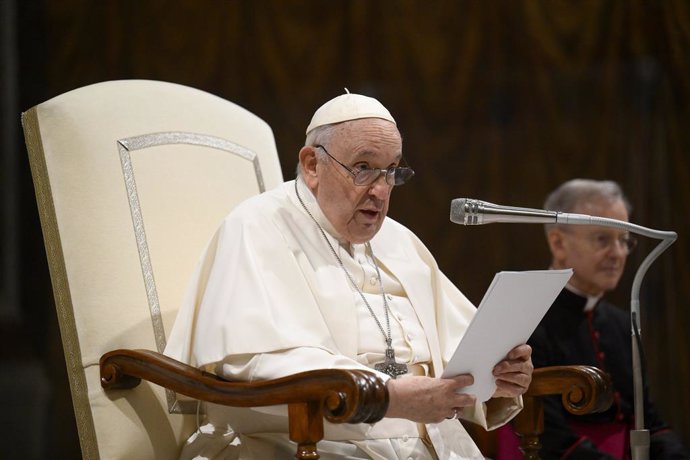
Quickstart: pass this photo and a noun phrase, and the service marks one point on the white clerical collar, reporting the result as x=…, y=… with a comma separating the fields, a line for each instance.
x=591, y=300
x=313, y=206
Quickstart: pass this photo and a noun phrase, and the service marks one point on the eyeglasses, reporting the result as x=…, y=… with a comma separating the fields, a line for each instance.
x=601, y=241
x=364, y=175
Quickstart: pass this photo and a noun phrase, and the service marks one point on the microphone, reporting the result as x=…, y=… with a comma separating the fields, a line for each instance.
x=468, y=211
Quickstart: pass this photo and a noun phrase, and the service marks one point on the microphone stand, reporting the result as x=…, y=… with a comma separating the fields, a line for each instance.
x=476, y=212
x=639, y=437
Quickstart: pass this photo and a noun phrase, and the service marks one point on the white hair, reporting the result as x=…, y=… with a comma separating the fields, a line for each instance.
x=571, y=194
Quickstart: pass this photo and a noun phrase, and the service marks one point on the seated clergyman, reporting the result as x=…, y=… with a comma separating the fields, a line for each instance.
x=313, y=275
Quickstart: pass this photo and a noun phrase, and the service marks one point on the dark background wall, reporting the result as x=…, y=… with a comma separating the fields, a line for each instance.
x=498, y=100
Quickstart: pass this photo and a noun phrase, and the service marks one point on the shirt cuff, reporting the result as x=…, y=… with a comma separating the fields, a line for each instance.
x=493, y=413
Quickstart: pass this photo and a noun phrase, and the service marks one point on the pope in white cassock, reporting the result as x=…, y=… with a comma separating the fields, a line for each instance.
x=313, y=275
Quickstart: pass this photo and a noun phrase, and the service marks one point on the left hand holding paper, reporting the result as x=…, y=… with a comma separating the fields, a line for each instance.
x=514, y=373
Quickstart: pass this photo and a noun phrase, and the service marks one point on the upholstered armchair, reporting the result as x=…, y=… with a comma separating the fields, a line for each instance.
x=132, y=179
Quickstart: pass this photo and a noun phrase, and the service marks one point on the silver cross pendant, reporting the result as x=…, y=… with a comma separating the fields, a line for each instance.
x=389, y=366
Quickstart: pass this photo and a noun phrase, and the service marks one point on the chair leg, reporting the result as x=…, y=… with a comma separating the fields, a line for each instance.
x=306, y=428
x=529, y=425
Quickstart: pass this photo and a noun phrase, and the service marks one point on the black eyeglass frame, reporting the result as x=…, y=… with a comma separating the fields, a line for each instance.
x=396, y=175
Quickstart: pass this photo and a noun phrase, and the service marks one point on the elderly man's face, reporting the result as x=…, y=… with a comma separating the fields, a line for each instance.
x=356, y=212
x=596, y=254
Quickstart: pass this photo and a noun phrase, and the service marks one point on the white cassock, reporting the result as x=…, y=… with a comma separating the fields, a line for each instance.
x=269, y=299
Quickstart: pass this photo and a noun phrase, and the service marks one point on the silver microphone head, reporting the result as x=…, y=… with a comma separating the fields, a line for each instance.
x=467, y=211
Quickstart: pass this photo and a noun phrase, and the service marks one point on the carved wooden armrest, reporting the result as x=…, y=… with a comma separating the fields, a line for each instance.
x=340, y=395
x=583, y=390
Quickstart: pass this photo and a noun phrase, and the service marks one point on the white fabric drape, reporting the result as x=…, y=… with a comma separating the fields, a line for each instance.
x=268, y=299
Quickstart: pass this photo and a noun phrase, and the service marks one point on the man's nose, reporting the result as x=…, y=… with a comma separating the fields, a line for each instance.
x=380, y=188
x=619, y=248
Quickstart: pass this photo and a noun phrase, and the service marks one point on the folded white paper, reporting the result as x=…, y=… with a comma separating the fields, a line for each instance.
x=507, y=316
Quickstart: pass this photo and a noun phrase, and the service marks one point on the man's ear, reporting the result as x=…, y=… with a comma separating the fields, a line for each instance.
x=307, y=164
x=556, y=244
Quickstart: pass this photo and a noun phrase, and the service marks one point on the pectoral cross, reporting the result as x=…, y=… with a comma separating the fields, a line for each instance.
x=389, y=366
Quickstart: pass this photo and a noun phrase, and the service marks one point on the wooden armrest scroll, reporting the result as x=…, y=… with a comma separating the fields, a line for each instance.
x=340, y=395
x=583, y=390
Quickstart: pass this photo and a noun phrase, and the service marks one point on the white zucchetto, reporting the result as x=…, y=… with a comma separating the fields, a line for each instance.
x=348, y=107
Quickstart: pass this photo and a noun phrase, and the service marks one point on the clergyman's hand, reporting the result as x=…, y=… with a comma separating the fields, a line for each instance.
x=514, y=373
x=428, y=399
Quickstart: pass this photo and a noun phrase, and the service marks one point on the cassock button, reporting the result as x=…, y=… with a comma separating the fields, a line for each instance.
x=597, y=335
x=620, y=417
x=601, y=355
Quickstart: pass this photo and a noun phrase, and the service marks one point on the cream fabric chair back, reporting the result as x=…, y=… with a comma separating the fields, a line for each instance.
x=132, y=178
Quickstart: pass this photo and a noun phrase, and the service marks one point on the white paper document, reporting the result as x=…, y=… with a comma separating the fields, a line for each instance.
x=507, y=316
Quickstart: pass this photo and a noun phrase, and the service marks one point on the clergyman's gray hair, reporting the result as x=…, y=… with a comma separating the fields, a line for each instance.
x=318, y=136
x=569, y=195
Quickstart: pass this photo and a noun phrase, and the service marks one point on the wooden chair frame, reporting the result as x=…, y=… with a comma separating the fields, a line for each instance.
x=583, y=390
x=343, y=396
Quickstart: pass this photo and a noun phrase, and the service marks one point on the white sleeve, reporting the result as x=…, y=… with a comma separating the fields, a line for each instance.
x=264, y=366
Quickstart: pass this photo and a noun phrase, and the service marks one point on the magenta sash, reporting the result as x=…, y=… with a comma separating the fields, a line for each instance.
x=612, y=438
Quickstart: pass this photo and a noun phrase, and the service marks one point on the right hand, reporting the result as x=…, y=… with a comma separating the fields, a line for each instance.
x=428, y=399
